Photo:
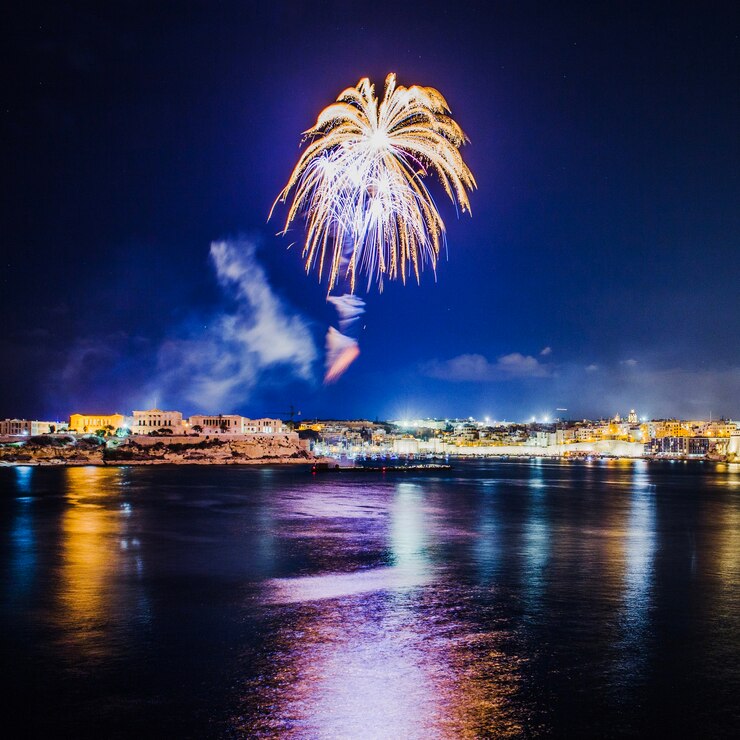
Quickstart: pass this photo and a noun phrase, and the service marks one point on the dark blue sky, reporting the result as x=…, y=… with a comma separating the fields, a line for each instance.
x=604, y=138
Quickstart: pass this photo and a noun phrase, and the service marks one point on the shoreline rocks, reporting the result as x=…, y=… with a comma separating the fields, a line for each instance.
x=281, y=449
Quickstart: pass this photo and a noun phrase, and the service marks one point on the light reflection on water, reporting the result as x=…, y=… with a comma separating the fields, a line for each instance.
x=640, y=551
x=522, y=599
x=23, y=538
x=639, y=555
x=375, y=661
x=100, y=563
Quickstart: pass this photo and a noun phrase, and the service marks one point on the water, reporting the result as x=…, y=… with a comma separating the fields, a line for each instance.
x=498, y=599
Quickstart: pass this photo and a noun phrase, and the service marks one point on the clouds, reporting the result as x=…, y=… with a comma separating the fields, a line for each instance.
x=654, y=387
x=216, y=363
x=477, y=368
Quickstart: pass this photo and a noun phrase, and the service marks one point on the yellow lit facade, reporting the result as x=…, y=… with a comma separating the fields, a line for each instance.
x=671, y=428
x=315, y=426
x=82, y=423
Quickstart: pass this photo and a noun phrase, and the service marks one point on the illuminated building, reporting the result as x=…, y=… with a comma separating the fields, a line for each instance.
x=543, y=439
x=155, y=419
x=681, y=446
x=265, y=426
x=219, y=423
x=670, y=428
x=565, y=436
x=406, y=446
x=82, y=423
x=23, y=427
x=438, y=424
x=733, y=446
x=314, y=426
x=719, y=428
x=235, y=424
x=588, y=434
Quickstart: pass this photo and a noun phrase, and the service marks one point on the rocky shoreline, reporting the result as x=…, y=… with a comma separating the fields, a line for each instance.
x=280, y=449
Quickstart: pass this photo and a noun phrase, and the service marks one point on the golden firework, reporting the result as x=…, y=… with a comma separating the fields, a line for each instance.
x=360, y=182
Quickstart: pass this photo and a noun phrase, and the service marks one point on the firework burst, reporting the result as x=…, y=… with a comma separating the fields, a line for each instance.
x=360, y=183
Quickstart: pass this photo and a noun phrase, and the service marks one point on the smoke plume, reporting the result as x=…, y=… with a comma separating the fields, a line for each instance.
x=218, y=363
x=341, y=348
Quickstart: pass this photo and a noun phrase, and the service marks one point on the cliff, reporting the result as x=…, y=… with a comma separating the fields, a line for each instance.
x=67, y=450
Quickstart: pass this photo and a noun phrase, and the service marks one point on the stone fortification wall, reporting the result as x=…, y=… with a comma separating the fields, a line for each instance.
x=602, y=447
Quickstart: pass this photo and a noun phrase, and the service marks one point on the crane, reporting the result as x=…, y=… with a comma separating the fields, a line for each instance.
x=291, y=413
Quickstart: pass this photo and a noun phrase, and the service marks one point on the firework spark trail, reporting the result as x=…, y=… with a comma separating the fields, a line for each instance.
x=360, y=186
x=360, y=182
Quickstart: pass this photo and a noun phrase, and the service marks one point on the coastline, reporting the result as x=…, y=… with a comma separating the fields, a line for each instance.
x=67, y=451
x=275, y=449
x=80, y=463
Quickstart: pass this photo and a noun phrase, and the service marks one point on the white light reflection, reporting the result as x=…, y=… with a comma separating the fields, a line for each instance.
x=363, y=667
x=408, y=533
x=536, y=541
x=410, y=568
x=487, y=545
x=23, y=475
x=383, y=652
x=639, y=566
x=338, y=585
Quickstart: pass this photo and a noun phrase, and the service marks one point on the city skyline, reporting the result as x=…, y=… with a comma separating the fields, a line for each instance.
x=596, y=273
x=127, y=420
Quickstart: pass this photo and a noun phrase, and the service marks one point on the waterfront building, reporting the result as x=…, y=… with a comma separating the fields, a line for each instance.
x=219, y=423
x=90, y=423
x=587, y=434
x=434, y=446
x=733, y=446
x=27, y=427
x=565, y=436
x=266, y=426
x=153, y=420
x=235, y=424
x=406, y=446
x=681, y=446
x=543, y=439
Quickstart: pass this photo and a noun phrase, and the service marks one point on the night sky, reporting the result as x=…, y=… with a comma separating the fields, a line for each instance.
x=599, y=271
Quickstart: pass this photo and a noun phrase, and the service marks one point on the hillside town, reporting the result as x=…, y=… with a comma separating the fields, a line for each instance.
x=618, y=436
x=153, y=422
x=150, y=437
